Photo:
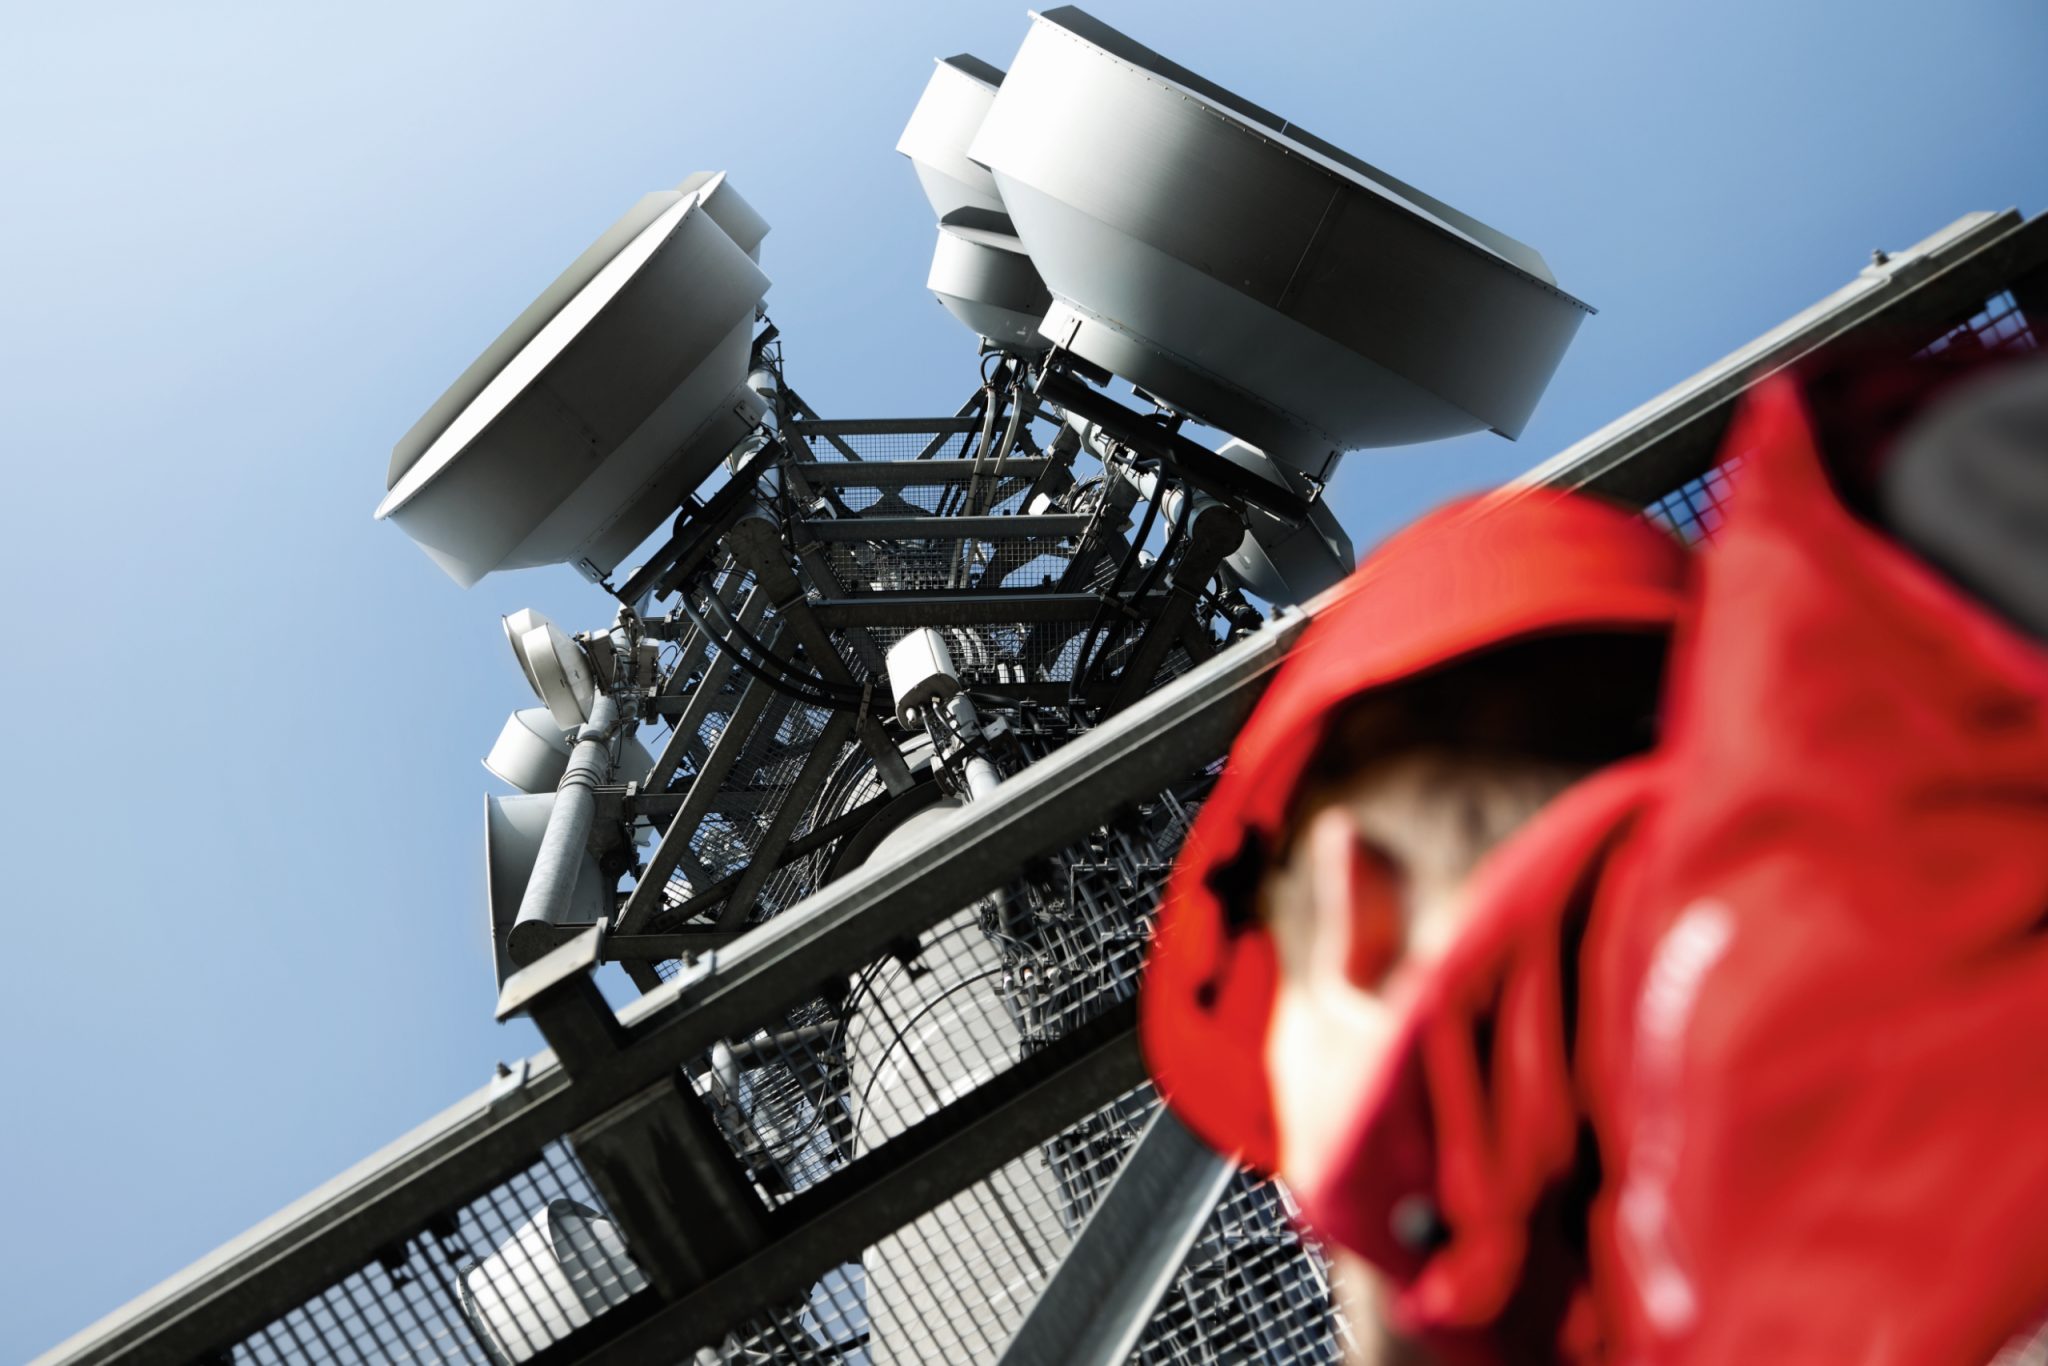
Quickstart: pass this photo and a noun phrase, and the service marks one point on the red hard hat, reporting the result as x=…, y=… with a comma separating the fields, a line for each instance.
x=1474, y=575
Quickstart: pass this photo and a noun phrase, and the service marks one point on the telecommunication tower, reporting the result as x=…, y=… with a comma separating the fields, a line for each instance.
x=870, y=775
x=854, y=631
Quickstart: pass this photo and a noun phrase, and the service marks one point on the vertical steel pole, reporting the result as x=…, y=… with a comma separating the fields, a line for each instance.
x=567, y=837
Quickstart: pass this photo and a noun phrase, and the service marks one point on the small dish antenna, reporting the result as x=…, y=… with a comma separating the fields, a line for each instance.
x=554, y=666
x=986, y=281
x=1281, y=560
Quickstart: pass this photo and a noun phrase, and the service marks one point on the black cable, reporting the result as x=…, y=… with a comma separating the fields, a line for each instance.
x=788, y=689
x=904, y=1030
x=1075, y=499
x=1174, y=536
x=1074, y=683
x=832, y=1045
x=787, y=669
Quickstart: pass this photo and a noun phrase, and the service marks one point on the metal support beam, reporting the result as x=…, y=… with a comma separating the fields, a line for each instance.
x=691, y=660
x=767, y=855
x=818, y=565
x=675, y=841
x=1108, y=1286
x=697, y=532
x=1915, y=295
x=678, y=704
x=667, y=1177
x=884, y=1189
x=757, y=544
x=1196, y=462
x=818, y=837
x=663, y=946
x=881, y=426
x=565, y=1005
x=960, y=608
x=896, y=474
x=1042, y=526
x=702, y=700
x=657, y=946
x=809, y=424
x=671, y=1183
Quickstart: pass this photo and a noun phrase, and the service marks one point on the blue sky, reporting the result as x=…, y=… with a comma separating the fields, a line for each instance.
x=247, y=246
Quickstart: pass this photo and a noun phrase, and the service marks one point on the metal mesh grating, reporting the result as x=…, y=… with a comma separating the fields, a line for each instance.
x=505, y=1276
x=953, y=1285
x=2001, y=326
x=1251, y=1290
x=1693, y=510
x=891, y=446
x=942, y=561
x=850, y=487
x=971, y=998
x=984, y=988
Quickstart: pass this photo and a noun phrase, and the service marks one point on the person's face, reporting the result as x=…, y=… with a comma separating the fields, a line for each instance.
x=1370, y=893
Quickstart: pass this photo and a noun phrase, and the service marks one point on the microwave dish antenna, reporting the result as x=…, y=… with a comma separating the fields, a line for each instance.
x=955, y=101
x=983, y=278
x=554, y=665
x=606, y=402
x=532, y=752
x=980, y=270
x=1250, y=274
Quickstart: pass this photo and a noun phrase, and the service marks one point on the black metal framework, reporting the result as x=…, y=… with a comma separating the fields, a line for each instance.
x=746, y=1052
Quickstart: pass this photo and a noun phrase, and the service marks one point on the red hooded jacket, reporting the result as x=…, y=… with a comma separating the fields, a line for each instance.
x=1805, y=941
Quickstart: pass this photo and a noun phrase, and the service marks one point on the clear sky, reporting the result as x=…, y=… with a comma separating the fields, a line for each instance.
x=246, y=246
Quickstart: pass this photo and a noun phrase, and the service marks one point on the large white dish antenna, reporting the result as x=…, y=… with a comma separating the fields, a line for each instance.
x=564, y=1266
x=980, y=271
x=513, y=827
x=554, y=666
x=581, y=428
x=1249, y=273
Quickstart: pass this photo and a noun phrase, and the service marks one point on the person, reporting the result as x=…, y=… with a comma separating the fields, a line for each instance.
x=1730, y=1051
x=1475, y=666
x=1815, y=1009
